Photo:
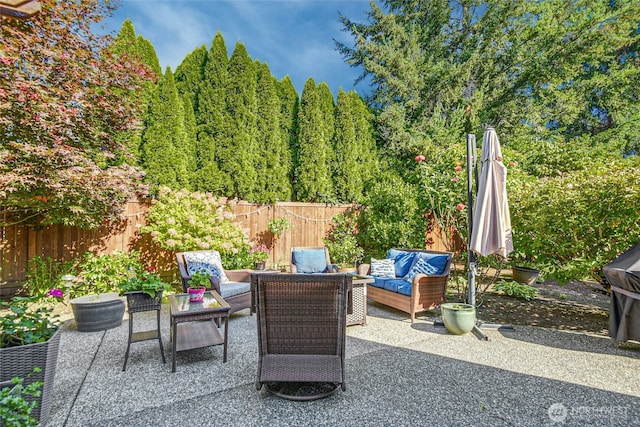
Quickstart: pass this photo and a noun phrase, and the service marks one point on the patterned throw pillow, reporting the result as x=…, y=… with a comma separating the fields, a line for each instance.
x=420, y=267
x=383, y=267
x=209, y=262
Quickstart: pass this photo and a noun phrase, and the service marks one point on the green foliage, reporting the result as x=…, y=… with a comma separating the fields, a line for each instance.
x=515, y=289
x=148, y=282
x=27, y=321
x=104, y=273
x=238, y=147
x=392, y=217
x=312, y=182
x=185, y=221
x=570, y=226
x=15, y=410
x=347, y=177
x=341, y=240
x=277, y=226
x=44, y=274
x=62, y=161
x=199, y=279
x=163, y=154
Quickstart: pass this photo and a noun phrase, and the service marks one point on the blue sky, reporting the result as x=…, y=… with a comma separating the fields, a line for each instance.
x=293, y=37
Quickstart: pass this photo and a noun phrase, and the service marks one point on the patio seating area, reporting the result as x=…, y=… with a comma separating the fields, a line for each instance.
x=398, y=373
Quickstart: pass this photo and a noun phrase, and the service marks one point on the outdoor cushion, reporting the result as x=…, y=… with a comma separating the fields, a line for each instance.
x=393, y=285
x=404, y=261
x=420, y=267
x=209, y=262
x=230, y=289
x=310, y=260
x=378, y=282
x=437, y=261
x=383, y=267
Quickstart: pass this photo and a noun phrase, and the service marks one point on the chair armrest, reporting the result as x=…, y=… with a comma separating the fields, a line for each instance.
x=215, y=283
x=239, y=275
x=332, y=268
x=363, y=269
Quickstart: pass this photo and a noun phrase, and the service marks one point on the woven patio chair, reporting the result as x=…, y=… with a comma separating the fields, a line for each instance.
x=301, y=333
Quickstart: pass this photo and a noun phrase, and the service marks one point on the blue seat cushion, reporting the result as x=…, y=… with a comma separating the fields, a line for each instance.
x=403, y=261
x=230, y=289
x=378, y=282
x=394, y=284
x=310, y=260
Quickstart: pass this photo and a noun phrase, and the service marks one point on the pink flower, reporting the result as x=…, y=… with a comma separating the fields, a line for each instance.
x=458, y=168
x=420, y=158
x=460, y=206
x=455, y=179
x=5, y=60
x=152, y=269
x=57, y=293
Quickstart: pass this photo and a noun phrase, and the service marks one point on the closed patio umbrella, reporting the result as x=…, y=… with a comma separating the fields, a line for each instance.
x=490, y=227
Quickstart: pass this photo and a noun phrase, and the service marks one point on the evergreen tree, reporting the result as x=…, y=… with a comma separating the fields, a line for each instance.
x=274, y=158
x=365, y=136
x=163, y=140
x=148, y=55
x=312, y=174
x=347, y=177
x=190, y=143
x=190, y=74
x=210, y=118
x=136, y=50
x=289, y=106
x=237, y=152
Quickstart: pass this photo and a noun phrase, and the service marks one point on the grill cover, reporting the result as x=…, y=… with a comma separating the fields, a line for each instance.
x=623, y=273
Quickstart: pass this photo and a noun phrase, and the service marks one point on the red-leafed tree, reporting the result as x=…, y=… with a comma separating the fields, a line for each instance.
x=63, y=101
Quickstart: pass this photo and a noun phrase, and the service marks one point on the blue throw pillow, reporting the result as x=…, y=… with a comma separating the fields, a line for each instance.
x=420, y=267
x=310, y=261
x=404, y=261
x=439, y=261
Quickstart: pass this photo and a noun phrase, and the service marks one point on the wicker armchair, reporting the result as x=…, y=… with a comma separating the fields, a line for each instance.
x=236, y=292
x=301, y=333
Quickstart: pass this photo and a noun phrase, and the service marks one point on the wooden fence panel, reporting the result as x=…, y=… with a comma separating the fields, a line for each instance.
x=310, y=223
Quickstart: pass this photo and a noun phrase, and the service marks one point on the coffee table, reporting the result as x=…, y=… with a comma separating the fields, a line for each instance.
x=193, y=323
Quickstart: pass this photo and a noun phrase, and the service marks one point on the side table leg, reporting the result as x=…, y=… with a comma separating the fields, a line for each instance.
x=174, y=328
x=226, y=335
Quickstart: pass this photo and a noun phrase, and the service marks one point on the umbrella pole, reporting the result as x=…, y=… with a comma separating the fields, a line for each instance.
x=471, y=267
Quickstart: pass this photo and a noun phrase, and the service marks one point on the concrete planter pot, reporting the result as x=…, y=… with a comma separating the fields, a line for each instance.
x=98, y=312
x=458, y=318
x=19, y=362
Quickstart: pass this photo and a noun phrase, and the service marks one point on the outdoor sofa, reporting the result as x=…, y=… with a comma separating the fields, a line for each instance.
x=410, y=280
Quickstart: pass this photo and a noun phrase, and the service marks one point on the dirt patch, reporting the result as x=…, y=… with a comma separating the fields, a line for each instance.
x=575, y=306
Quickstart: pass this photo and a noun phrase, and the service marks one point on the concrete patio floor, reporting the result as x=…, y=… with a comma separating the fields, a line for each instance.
x=398, y=374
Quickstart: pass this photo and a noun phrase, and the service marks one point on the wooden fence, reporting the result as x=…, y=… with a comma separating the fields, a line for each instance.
x=309, y=224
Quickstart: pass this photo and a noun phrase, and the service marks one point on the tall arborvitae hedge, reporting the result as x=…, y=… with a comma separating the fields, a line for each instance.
x=209, y=117
x=347, y=177
x=190, y=73
x=313, y=173
x=289, y=107
x=163, y=140
x=365, y=142
x=238, y=146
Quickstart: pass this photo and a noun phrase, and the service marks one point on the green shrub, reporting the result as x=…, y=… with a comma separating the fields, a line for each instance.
x=15, y=410
x=341, y=241
x=515, y=289
x=44, y=274
x=186, y=221
x=392, y=218
x=572, y=225
x=104, y=273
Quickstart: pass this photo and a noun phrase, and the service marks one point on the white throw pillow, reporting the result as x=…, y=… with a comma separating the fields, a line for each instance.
x=209, y=262
x=383, y=267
